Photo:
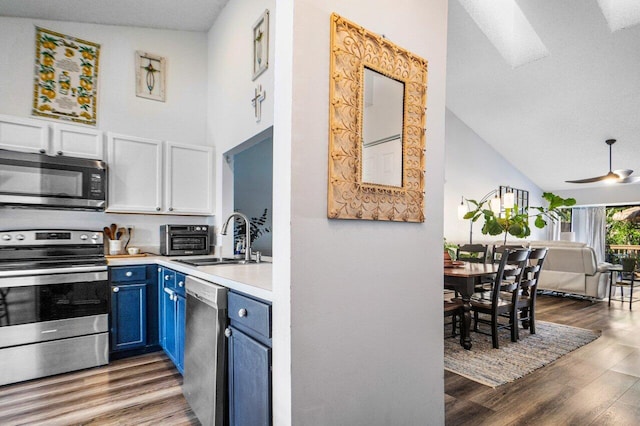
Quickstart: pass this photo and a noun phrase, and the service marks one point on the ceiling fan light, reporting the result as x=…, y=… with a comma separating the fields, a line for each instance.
x=623, y=173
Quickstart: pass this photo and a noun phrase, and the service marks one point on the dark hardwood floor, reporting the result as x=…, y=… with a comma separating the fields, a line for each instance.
x=598, y=384
x=143, y=390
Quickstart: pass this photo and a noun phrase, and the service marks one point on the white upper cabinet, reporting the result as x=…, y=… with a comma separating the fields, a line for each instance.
x=189, y=179
x=76, y=141
x=135, y=174
x=151, y=176
x=24, y=134
x=30, y=135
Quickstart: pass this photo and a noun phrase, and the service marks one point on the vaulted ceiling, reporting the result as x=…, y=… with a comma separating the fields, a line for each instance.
x=549, y=117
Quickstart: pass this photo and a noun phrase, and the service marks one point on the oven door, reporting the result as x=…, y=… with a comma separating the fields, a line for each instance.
x=56, y=182
x=36, y=308
x=188, y=244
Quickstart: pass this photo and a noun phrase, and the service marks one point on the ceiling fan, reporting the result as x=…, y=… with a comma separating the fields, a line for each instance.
x=614, y=176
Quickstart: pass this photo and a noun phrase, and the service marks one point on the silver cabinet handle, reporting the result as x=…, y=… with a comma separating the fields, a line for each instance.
x=42, y=151
x=167, y=277
x=181, y=284
x=128, y=274
x=116, y=289
x=242, y=313
x=157, y=209
x=59, y=152
x=227, y=332
x=170, y=209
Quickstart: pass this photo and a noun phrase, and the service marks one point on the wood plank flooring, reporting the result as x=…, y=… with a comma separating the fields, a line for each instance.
x=143, y=390
x=598, y=384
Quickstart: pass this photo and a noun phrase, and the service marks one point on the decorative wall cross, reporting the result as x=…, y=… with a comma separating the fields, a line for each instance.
x=257, y=101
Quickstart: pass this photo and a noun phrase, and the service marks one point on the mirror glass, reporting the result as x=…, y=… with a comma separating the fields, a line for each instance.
x=382, y=120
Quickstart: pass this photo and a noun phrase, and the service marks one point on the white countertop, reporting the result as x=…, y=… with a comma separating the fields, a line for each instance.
x=253, y=279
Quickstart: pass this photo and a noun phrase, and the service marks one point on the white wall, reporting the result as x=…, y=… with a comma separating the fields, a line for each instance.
x=231, y=116
x=365, y=321
x=604, y=195
x=472, y=169
x=180, y=119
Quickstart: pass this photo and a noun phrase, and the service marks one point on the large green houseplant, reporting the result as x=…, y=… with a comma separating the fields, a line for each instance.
x=515, y=221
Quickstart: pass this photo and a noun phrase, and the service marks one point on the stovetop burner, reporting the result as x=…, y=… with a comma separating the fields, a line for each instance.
x=50, y=249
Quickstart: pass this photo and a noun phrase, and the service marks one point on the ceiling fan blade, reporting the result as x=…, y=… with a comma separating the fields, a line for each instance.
x=630, y=179
x=590, y=180
x=623, y=173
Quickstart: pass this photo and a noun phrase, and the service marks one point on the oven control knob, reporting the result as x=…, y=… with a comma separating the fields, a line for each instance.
x=19, y=237
x=95, y=236
x=6, y=237
x=83, y=237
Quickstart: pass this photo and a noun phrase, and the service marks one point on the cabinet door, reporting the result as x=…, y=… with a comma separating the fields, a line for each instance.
x=249, y=381
x=189, y=179
x=181, y=306
x=23, y=134
x=169, y=324
x=128, y=316
x=76, y=141
x=135, y=174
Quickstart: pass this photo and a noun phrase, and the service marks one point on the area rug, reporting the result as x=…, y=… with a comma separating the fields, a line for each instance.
x=495, y=367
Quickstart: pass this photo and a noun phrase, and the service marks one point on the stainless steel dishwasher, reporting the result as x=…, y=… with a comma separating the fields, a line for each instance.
x=205, y=351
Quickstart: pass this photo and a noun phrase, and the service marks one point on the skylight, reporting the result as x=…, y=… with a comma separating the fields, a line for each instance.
x=620, y=13
x=504, y=24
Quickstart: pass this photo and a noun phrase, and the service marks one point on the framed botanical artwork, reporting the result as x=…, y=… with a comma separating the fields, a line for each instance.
x=261, y=45
x=150, y=76
x=66, y=77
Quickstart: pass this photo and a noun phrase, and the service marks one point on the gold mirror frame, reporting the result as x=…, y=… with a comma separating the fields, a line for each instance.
x=352, y=49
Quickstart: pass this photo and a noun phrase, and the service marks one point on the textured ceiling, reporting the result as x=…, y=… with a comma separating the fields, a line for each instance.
x=186, y=15
x=550, y=117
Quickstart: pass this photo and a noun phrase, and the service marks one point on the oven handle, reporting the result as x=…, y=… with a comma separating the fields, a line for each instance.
x=65, y=278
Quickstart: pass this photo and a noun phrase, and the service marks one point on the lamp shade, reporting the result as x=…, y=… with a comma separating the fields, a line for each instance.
x=495, y=205
x=508, y=200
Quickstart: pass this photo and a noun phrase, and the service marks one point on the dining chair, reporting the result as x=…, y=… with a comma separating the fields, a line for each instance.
x=626, y=278
x=474, y=253
x=503, y=299
x=453, y=309
x=498, y=249
x=528, y=286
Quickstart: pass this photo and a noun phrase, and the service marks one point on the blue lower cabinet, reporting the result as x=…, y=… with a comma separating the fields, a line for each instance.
x=249, y=381
x=249, y=350
x=134, y=310
x=128, y=316
x=172, y=315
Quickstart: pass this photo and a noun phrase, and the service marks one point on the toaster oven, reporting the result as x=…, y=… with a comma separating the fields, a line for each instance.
x=182, y=240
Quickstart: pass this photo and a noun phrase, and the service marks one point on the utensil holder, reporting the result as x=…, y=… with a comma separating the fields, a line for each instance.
x=115, y=247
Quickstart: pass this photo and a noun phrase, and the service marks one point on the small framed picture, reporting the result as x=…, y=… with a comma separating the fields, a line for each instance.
x=150, y=76
x=261, y=45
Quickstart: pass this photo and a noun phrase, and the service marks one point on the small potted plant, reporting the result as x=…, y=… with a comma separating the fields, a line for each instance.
x=449, y=251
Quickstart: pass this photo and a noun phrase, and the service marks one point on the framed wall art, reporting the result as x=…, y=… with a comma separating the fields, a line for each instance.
x=66, y=77
x=375, y=85
x=150, y=76
x=261, y=45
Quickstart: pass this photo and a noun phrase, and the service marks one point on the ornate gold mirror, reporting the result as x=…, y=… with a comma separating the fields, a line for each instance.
x=378, y=95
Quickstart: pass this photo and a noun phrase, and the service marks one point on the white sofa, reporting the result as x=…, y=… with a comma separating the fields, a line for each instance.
x=571, y=267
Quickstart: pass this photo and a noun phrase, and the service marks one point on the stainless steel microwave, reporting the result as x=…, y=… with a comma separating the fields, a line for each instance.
x=55, y=182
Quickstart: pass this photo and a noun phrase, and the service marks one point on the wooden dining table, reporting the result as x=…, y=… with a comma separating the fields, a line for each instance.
x=463, y=279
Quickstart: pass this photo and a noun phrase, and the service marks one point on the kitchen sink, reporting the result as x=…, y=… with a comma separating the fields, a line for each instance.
x=209, y=261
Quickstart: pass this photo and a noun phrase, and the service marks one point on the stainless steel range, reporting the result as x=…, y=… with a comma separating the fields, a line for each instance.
x=54, y=303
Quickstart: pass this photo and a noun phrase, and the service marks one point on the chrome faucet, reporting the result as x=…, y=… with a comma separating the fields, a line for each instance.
x=247, y=238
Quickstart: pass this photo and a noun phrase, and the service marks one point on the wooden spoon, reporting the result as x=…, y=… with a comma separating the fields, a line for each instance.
x=114, y=228
x=107, y=233
x=121, y=232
